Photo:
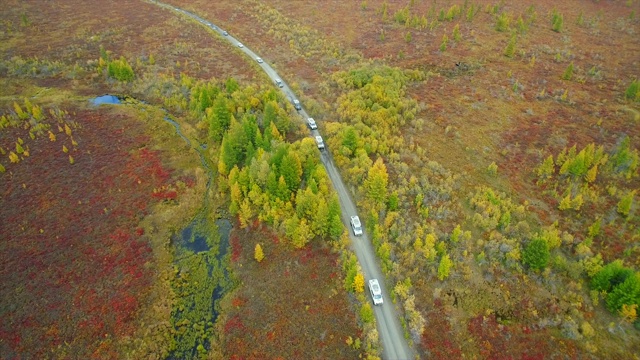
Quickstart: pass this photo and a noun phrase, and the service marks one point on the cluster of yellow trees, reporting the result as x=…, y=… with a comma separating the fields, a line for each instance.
x=590, y=176
x=269, y=179
x=572, y=175
x=31, y=118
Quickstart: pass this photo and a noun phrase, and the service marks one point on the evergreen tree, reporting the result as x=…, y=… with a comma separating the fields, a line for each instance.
x=536, y=254
x=250, y=128
x=392, y=202
x=302, y=234
x=556, y=21
x=624, y=206
x=272, y=184
x=120, y=70
x=610, y=276
x=306, y=203
x=231, y=85
x=320, y=219
x=456, y=33
x=335, y=224
x=283, y=192
x=291, y=170
x=350, y=140
x=269, y=115
x=245, y=213
x=249, y=153
x=510, y=50
x=220, y=118
x=230, y=154
x=626, y=293
x=313, y=185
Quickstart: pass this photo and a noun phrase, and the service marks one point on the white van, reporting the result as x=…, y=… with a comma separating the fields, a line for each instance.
x=356, y=225
x=319, y=142
x=376, y=292
x=312, y=124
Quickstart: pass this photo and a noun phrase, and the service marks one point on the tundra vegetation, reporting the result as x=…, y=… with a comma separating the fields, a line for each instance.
x=492, y=148
x=95, y=198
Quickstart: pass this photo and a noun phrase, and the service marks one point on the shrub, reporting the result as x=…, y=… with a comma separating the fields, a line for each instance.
x=258, y=253
x=624, y=206
x=366, y=313
x=445, y=41
x=627, y=293
x=120, y=70
x=556, y=21
x=510, y=50
x=610, y=276
x=536, y=254
x=625, y=160
x=358, y=283
x=445, y=267
x=502, y=22
x=633, y=91
x=401, y=15
x=568, y=73
x=456, y=33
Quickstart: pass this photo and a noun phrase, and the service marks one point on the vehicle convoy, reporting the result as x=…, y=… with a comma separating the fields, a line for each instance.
x=319, y=142
x=356, y=225
x=376, y=292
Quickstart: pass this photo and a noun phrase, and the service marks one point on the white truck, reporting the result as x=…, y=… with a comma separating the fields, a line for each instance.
x=376, y=292
x=312, y=124
x=356, y=225
x=319, y=142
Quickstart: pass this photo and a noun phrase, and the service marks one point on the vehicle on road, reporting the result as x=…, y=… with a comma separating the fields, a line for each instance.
x=259, y=60
x=319, y=142
x=240, y=45
x=225, y=33
x=376, y=292
x=279, y=83
x=356, y=225
x=312, y=124
x=296, y=104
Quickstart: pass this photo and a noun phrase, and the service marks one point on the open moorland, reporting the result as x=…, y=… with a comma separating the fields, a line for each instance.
x=492, y=148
